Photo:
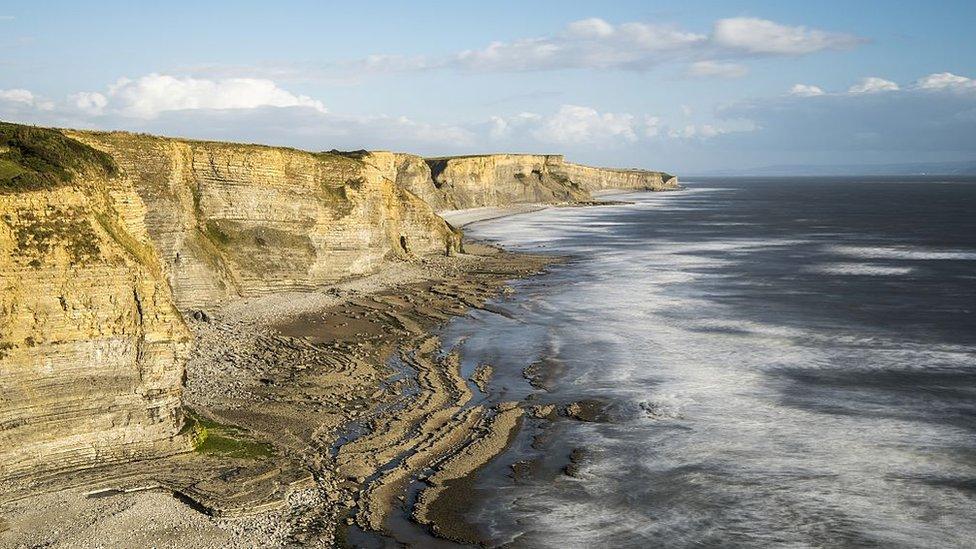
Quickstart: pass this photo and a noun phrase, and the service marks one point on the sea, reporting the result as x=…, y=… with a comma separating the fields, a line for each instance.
x=783, y=362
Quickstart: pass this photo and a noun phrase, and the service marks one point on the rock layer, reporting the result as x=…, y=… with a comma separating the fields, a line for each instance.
x=241, y=220
x=503, y=179
x=459, y=182
x=91, y=347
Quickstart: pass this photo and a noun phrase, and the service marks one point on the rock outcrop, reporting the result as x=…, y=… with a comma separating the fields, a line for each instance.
x=91, y=347
x=459, y=182
x=235, y=220
x=503, y=179
x=599, y=179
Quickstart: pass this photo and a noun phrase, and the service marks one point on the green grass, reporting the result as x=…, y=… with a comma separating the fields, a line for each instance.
x=9, y=169
x=217, y=439
x=40, y=158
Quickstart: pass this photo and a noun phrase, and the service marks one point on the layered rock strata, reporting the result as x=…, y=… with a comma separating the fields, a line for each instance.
x=235, y=220
x=104, y=237
x=91, y=347
x=460, y=182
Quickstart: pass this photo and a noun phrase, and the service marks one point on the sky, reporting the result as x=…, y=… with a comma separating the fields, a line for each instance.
x=677, y=86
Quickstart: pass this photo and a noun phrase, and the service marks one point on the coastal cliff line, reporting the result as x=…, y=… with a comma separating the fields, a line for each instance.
x=460, y=182
x=107, y=239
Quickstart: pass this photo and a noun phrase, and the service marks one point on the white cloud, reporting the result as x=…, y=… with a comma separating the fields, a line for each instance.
x=929, y=117
x=762, y=36
x=806, y=90
x=7, y=18
x=580, y=128
x=394, y=63
x=652, y=126
x=17, y=95
x=945, y=81
x=25, y=98
x=577, y=124
x=593, y=27
x=717, y=69
x=153, y=94
x=691, y=131
x=598, y=44
x=500, y=127
x=873, y=84
x=89, y=102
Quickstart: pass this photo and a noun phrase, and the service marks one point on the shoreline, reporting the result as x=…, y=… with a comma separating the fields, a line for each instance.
x=469, y=216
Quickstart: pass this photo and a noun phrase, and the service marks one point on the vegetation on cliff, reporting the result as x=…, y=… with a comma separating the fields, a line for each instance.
x=34, y=159
x=210, y=437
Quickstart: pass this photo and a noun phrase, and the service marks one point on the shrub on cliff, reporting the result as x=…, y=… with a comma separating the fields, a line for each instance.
x=38, y=158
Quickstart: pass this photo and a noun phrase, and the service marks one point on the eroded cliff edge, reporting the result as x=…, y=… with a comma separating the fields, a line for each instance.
x=91, y=345
x=459, y=182
x=106, y=237
x=232, y=220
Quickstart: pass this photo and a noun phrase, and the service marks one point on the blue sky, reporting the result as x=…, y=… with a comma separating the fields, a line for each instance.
x=653, y=84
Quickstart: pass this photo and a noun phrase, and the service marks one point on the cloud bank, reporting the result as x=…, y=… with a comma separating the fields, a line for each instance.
x=597, y=44
x=153, y=94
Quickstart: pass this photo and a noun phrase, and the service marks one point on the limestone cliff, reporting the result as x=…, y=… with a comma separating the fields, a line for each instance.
x=501, y=179
x=104, y=236
x=598, y=179
x=91, y=348
x=234, y=220
x=410, y=172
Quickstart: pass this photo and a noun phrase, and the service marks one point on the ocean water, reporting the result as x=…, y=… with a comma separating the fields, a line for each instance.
x=788, y=362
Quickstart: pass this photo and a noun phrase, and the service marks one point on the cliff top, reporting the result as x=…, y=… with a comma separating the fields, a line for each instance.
x=35, y=158
x=39, y=158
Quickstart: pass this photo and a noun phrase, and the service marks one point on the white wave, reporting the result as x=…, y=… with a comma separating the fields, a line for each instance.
x=861, y=269
x=901, y=252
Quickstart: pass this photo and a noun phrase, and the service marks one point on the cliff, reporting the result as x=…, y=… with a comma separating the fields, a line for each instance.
x=502, y=179
x=452, y=183
x=599, y=179
x=91, y=347
x=234, y=220
x=106, y=237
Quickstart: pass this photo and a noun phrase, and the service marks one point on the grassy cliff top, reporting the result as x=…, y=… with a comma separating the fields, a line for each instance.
x=34, y=159
x=138, y=138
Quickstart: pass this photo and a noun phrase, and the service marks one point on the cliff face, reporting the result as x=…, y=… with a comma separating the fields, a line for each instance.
x=104, y=236
x=238, y=220
x=598, y=179
x=409, y=172
x=501, y=179
x=91, y=348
